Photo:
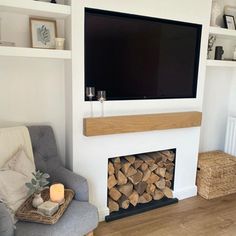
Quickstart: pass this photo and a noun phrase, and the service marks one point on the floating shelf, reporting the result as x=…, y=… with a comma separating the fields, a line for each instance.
x=35, y=8
x=141, y=123
x=223, y=33
x=34, y=52
x=218, y=63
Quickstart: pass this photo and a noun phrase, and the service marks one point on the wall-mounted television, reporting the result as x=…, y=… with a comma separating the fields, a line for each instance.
x=138, y=57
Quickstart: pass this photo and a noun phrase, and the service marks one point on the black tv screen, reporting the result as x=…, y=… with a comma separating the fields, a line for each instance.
x=136, y=57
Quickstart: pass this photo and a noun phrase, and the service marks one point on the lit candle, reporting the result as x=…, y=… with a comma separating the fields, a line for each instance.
x=57, y=193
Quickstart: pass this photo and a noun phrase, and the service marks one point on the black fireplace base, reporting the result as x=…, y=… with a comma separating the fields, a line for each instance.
x=140, y=208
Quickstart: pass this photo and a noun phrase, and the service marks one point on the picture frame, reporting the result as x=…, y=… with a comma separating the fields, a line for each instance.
x=229, y=22
x=43, y=33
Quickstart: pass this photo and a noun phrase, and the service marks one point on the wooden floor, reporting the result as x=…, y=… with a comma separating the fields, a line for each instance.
x=191, y=217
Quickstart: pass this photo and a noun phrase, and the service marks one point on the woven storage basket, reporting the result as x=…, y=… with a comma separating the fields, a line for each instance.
x=216, y=174
x=26, y=212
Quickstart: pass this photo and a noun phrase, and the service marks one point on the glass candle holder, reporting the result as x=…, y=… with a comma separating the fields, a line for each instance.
x=101, y=96
x=90, y=93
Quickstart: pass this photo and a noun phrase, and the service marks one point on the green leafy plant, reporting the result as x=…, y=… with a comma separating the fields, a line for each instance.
x=38, y=183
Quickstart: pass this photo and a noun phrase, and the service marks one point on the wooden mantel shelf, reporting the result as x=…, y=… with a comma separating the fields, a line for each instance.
x=140, y=123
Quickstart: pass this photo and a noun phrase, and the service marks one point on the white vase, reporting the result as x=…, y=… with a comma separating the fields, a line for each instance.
x=37, y=200
x=215, y=13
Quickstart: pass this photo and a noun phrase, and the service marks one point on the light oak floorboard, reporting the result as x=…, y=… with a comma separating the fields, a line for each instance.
x=191, y=217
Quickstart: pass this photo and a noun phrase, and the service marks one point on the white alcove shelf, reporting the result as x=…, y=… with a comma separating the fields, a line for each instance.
x=35, y=8
x=34, y=52
x=222, y=63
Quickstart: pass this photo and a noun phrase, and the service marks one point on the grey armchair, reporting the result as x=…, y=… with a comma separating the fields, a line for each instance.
x=80, y=219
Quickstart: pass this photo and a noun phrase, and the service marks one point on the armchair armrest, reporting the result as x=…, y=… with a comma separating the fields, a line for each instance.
x=73, y=181
x=6, y=223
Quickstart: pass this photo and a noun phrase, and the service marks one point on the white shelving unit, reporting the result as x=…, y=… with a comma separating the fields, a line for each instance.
x=223, y=34
x=34, y=52
x=217, y=63
x=36, y=9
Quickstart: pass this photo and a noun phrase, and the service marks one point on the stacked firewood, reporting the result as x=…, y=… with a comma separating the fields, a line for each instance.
x=139, y=179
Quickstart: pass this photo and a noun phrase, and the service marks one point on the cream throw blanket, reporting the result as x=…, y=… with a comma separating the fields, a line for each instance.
x=16, y=166
x=10, y=141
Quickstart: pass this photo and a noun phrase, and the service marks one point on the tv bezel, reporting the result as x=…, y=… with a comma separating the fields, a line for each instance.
x=155, y=19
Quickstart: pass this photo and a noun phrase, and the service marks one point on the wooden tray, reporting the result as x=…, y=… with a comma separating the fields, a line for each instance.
x=27, y=212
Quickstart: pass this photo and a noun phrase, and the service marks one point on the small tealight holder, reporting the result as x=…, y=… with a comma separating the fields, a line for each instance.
x=57, y=193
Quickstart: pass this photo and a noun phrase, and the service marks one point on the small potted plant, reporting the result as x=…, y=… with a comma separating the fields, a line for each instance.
x=36, y=186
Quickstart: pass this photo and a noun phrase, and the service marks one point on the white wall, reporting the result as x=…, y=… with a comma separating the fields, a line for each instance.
x=90, y=154
x=32, y=91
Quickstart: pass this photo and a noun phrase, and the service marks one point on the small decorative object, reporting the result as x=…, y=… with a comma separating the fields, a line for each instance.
x=211, y=41
x=219, y=53
x=43, y=33
x=101, y=96
x=229, y=22
x=36, y=186
x=37, y=201
x=215, y=13
x=48, y=208
x=90, y=93
x=53, y=1
x=57, y=193
x=60, y=42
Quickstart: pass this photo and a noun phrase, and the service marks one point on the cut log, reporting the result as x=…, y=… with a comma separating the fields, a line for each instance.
x=130, y=159
x=169, y=154
x=114, y=194
x=144, y=167
x=158, y=195
x=138, y=162
x=156, y=156
x=153, y=179
x=111, y=181
x=133, y=198
x=140, y=187
x=161, y=164
x=150, y=188
x=169, y=166
x=121, y=178
x=125, y=166
x=112, y=205
x=147, y=159
x=146, y=174
x=145, y=198
x=111, y=169
x=135, y=179
x=161, y=171
x=168, y=183
x=131, y=171
x=168, y=192
x=117, y=164
x=154, y=167
x=126, y=189
x=123, y=202
x=168, y=176
x=161, y=184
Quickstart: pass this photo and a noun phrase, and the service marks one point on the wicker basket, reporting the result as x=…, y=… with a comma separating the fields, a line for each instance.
x=27, y=212
x=216, y=174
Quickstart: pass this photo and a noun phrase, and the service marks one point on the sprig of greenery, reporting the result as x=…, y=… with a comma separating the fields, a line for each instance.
x=38, y=183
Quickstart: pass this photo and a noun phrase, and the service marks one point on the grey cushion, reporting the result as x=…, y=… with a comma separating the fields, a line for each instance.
x=6, y=224
x=79, y=219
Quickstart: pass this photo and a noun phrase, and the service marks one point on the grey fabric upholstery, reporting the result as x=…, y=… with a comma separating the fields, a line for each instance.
x=47, y=160
x=6, y=224
x=80, y=218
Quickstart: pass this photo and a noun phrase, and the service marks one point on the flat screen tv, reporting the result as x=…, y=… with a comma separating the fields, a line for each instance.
x=137, y=57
